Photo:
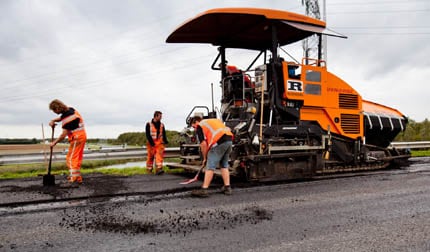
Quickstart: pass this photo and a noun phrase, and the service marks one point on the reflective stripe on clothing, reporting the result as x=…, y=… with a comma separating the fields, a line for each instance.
x=78, y=129
x=154, y=131
x=214, y=129
x=75, y=172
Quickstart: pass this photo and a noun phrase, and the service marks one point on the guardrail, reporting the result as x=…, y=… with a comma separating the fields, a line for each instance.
x=131, y=153
x=111, y=153
x=411, y=145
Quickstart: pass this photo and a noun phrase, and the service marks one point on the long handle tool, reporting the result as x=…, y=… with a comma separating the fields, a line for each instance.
x=195, y=177
x=49, y=179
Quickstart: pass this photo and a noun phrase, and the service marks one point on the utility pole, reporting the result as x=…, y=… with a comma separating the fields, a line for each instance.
x=310, y=45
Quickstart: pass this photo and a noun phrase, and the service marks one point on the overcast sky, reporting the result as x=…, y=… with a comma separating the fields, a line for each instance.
x=109, y=59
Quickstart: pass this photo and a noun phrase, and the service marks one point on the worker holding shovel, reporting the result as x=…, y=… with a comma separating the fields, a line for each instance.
x=216, y=145
x=73, y=128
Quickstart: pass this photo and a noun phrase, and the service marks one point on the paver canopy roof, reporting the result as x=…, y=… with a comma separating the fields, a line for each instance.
x=248, y=28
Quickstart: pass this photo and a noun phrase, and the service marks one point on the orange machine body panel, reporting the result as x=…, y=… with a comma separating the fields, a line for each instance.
x=327, y=99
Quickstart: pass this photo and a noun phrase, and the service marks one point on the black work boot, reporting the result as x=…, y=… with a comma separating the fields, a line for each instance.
x=202, y=193
x=226, y=190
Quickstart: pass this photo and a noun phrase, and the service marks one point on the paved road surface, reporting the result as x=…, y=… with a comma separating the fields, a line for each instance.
x=388, y=211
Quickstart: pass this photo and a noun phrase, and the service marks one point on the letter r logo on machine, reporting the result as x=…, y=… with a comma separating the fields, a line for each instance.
x=295, y=86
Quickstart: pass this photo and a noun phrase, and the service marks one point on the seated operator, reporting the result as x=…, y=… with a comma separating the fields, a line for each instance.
x=231, y=70
x=249, y=94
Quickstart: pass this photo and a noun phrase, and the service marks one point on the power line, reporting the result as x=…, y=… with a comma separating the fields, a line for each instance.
x=377, y=2
x=104, y=37
x=381, y=27
x=379, y=11
x=95, y=67
x=105, y=79
x=390, y=33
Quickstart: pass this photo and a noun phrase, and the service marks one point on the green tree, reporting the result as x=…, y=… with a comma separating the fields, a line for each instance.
x=415, y=131
x=139, y=138
x=132, y=138
x=425, y=130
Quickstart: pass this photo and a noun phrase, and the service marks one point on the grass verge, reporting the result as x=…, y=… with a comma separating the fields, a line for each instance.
x=420, y=153
x=15, y=171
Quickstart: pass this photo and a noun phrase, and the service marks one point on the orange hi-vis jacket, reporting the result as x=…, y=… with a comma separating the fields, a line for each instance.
x=77, y=139
x=154, y=132
x=214, y=129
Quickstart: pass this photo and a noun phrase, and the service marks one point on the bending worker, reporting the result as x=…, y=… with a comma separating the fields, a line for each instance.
x=156, y=139
x=73, y=128
x=215, y=144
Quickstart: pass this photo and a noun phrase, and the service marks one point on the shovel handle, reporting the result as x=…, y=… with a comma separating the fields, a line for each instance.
x=50, y=152
x=201, y=169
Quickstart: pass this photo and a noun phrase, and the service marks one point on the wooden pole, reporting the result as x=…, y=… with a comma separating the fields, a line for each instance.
x=44, y=145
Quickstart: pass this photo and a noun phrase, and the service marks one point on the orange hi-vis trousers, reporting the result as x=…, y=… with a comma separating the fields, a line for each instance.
x=157, y=153
x=75, y=155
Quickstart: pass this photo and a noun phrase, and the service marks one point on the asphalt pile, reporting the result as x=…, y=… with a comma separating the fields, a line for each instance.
x=105, y=218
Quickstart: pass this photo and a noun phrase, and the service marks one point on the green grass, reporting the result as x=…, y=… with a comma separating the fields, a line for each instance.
x=14, y=171
x=420, y=153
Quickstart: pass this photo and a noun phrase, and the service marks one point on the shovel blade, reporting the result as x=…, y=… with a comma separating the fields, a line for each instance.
x=193, y=179
x=48, y=180
x=189, y=181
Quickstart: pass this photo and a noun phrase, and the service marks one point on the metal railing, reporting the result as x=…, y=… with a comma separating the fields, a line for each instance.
x=411, y=145
x=104, y=153
x=134, y=153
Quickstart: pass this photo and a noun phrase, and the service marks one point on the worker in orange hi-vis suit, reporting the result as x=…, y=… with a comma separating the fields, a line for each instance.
x=73, y=128
x=156, y=140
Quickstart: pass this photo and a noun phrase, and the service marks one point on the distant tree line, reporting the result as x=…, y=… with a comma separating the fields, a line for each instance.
x=415, y=131
x=139, y=138
x=18, y=141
